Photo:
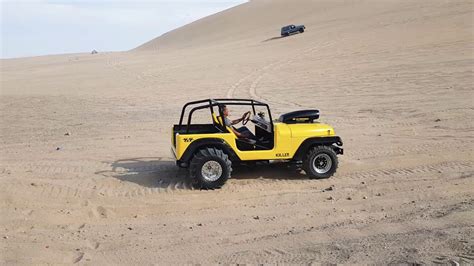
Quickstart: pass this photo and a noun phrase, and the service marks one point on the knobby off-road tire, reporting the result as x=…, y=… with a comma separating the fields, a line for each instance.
x=320, y=162
x=210, y=168
x=301, y=30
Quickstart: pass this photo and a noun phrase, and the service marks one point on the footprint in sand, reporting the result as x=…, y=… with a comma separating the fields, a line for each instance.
x=93, y=244
x=99, y=212
x=86, y=203
x=102, y=212
x=78, y=257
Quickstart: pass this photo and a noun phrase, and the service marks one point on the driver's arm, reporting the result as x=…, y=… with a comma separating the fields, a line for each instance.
x=233, y=122
x=239, y=120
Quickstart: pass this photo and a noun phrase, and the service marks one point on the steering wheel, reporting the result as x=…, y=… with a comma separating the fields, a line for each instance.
x=246, y=118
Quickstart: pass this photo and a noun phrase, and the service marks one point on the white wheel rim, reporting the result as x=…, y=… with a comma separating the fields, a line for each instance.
x=322, y=163
x=211, y=171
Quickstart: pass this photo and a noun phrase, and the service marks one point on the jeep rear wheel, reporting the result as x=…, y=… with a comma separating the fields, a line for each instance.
x=320, y=162
x=301, y=30
x=210, y=168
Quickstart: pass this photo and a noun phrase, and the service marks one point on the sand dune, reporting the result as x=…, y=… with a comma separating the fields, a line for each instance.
x=395, y=79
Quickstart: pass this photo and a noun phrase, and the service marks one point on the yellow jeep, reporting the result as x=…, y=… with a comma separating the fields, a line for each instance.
x=208, y=150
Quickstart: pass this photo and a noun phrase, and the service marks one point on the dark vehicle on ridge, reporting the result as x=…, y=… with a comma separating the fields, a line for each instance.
x=290, y=29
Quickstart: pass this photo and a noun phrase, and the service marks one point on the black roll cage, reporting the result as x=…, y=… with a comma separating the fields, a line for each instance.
x=210, y=103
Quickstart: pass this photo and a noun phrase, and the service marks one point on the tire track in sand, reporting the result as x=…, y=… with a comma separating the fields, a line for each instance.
x=259, y=74
x=397, y=150
x=146, y=180
x=127, y=178
x=290, y=177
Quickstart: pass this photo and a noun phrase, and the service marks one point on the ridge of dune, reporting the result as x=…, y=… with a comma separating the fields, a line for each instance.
x=249, y=20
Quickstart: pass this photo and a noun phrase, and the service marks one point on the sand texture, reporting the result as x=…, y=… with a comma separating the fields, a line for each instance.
x=86, y=173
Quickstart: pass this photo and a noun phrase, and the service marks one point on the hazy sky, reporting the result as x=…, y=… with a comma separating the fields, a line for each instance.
x=40, y=27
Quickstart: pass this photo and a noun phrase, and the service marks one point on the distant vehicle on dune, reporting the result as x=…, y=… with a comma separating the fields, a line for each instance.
x=291, y=29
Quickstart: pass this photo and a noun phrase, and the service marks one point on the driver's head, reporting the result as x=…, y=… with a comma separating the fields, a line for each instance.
x=225, y=110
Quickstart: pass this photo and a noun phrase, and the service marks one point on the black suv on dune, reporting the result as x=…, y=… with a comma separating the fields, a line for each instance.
x=290, y=29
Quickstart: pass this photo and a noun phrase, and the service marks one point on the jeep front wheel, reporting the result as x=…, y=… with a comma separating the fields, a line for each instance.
x=210, y=168
x=320, y=162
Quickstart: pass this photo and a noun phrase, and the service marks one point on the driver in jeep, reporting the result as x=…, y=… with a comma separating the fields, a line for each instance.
x=242, y=132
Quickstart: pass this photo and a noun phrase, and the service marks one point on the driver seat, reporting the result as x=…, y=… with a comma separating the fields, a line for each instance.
x=242, y=144
x=218, y=121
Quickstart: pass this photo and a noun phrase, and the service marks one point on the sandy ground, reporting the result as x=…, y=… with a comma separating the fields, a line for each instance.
x=86, y=175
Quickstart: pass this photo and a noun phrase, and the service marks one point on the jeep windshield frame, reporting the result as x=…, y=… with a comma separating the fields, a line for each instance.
x=211, y=103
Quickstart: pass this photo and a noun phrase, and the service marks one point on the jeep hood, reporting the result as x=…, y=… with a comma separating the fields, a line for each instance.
x=311, y=130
